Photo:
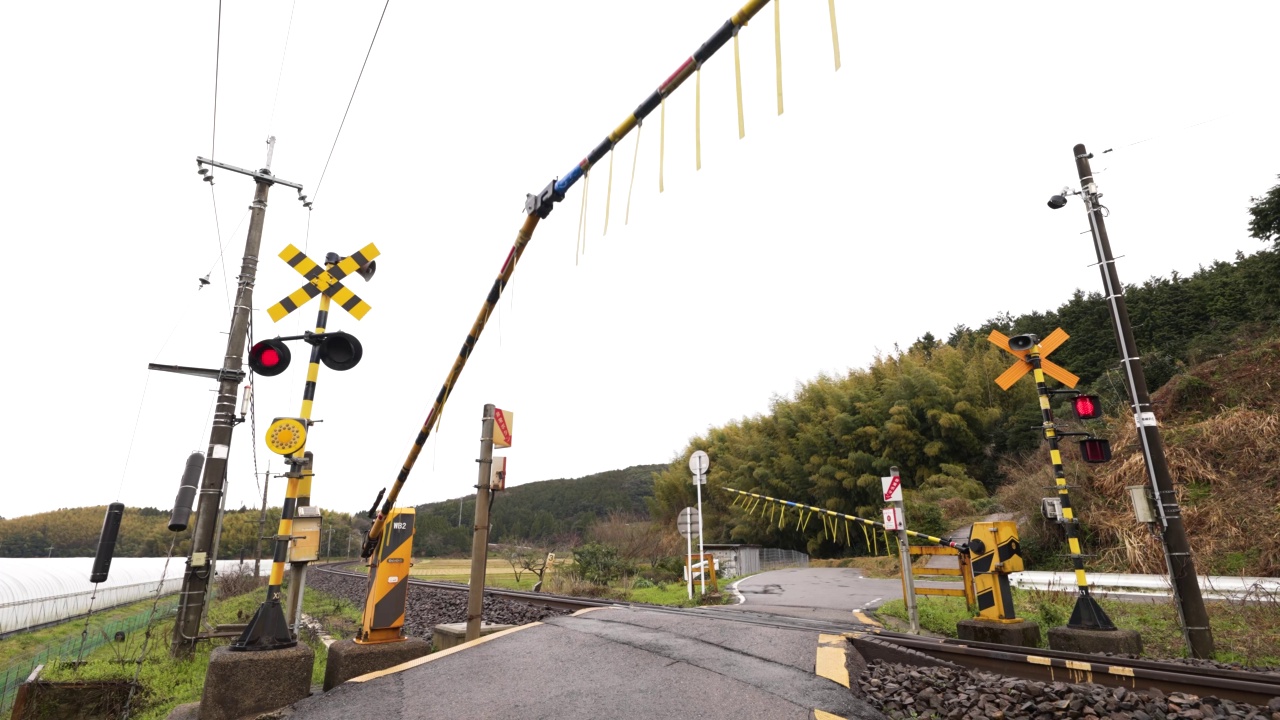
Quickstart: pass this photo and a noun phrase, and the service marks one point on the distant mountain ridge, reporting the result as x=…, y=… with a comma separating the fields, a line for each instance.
x=537, y=511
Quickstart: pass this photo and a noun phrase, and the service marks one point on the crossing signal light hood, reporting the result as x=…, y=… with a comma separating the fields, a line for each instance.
x=1087, y=407
x=340, y=351
x=1095, y=450
x=269, y=357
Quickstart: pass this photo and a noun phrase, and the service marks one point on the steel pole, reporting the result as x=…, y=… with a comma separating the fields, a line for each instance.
x=199, y=571
x=480, y=537
x=1177, y=547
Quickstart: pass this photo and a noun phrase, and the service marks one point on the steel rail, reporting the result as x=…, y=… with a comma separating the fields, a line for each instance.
x=1059, y=666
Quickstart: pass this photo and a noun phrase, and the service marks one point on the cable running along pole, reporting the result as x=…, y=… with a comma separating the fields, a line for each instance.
x=538, y=207
x=1177, y=548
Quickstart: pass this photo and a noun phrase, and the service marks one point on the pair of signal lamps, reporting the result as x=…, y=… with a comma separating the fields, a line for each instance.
x=338, y=351
x=1085, y=407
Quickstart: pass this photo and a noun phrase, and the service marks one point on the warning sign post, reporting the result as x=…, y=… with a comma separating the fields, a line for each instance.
x=895, y=518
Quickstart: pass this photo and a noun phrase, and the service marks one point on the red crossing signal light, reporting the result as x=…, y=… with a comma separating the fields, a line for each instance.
x=269, y=357
x=1095, y=450
x=1087, y=407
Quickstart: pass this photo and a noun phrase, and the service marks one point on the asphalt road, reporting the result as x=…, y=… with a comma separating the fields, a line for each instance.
x=822, y=593
x=608, y=663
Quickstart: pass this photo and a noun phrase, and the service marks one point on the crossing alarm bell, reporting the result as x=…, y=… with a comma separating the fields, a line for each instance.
x=1023, y=342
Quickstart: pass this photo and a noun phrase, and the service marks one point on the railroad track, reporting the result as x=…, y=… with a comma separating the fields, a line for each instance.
x=1032, y=664
x=1058, y=666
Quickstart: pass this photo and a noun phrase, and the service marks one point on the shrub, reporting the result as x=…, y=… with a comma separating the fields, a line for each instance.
x=599, y=564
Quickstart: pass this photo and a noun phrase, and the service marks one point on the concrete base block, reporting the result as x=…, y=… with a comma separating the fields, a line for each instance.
x=348, y=659
x=1022, y=634
x=240, y=684
x=451, y=634
x=1127, y=642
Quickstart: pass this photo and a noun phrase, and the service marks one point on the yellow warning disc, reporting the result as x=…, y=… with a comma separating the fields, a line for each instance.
x=286, y=436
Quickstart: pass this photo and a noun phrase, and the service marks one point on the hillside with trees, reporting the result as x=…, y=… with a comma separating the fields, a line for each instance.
x=536, y=512
x=144, y=532
x=965, y=448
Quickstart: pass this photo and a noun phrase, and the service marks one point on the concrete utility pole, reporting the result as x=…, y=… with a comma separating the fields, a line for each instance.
x=480, y=539
x=262, y=522
x=200, y=564
x=1177, y=548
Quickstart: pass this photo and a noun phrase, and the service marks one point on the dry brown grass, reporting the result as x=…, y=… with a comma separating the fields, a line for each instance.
x=1226, y=470
x=1224, y=459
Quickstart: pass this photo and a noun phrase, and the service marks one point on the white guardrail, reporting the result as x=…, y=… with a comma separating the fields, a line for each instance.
x=1213, y=587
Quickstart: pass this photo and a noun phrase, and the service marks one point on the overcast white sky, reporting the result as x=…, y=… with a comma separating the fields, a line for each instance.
x=904, y=193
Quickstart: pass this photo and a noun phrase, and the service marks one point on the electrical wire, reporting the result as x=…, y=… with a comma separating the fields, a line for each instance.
x=280, y=75
x=319, y=182
x=213, y=154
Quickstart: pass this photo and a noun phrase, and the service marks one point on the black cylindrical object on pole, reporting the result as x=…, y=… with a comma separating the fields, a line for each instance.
x=107, y=542
x=186, y=493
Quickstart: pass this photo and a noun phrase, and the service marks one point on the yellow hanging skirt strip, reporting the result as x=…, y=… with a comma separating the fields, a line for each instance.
x=777, y=47
x=835, y=36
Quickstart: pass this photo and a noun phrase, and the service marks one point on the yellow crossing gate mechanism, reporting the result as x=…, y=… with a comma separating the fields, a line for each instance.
x=389, y=566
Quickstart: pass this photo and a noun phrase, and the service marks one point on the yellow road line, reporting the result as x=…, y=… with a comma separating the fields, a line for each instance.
x=824, y=715
x=866, y=619
x=437, y=655
x=830, y=662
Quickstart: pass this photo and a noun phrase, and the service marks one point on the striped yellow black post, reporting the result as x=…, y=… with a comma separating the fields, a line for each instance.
x=324, y=281
x=269, y=628
x=1087, y=614
x=384, y=603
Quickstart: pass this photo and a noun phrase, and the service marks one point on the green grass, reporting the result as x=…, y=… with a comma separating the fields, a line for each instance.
x=1243, y=633
x=168, y=683
x=23, y=645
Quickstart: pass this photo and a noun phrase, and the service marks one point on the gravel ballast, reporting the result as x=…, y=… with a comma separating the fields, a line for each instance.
x=902, y=691
x=427, y=607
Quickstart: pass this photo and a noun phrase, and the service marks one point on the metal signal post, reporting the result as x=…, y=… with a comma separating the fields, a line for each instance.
x=1177, y=548
x=1087, y=613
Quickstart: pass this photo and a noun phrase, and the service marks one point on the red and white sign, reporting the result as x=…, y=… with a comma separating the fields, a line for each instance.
x=892, y=519
x=502, y=422
x=892, y=487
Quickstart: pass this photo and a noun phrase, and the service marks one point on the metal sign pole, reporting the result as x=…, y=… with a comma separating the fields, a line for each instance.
x=698, y=463
x=688, y=561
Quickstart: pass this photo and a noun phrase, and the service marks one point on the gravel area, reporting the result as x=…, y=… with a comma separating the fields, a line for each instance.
x=427, y=607
x=902, y=691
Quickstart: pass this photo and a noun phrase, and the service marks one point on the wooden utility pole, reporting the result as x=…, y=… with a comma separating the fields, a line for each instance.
x=199, y=571
x=480, y=539
x=1177, y=548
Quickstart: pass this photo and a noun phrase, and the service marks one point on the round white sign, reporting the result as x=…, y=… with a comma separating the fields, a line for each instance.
x=699, y=462
x=687, y=522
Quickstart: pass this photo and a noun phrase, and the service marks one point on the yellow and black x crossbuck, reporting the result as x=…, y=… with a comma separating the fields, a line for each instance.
x=1023, y=366
x=324, y=280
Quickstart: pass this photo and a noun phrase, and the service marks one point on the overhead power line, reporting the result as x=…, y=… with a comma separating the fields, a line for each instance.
x=349, y=101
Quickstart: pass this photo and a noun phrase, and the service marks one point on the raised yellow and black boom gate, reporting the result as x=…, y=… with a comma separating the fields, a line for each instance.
x=538, y=206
